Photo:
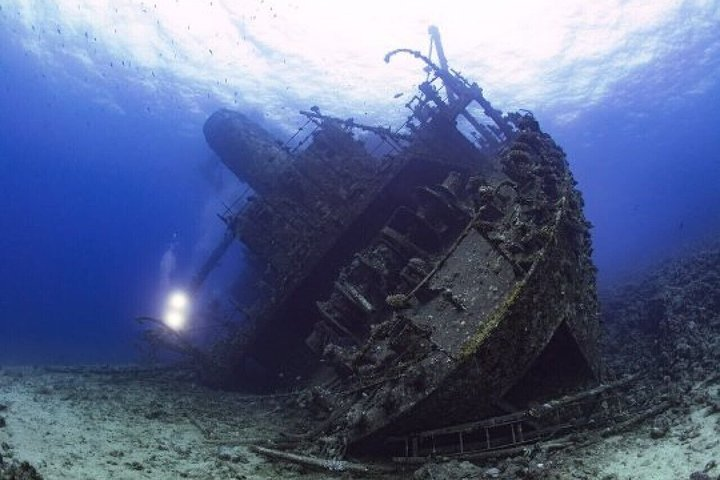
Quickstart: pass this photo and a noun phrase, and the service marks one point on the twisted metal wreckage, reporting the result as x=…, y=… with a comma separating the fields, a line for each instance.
x=431, y=294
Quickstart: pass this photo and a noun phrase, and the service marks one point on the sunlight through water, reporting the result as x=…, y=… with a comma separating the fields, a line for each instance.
x=279, y=57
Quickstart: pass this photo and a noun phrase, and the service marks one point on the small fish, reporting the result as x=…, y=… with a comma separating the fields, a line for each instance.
x=398, y=95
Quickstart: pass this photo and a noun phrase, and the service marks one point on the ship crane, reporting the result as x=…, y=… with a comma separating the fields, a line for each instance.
x=460, y=95
x=436, y=42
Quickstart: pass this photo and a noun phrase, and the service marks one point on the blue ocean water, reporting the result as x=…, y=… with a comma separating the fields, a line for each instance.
x=108, y=192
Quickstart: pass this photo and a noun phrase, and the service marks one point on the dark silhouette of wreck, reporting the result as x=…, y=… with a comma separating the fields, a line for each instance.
x=445, y=281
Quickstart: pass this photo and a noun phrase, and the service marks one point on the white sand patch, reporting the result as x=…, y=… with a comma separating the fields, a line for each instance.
x=690, y=444
x=72, y=426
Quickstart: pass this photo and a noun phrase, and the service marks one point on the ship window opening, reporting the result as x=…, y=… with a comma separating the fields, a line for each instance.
x=477, y=127
x=470, y=132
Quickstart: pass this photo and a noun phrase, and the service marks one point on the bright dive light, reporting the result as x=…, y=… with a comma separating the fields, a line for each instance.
x=178, y=301
x=174, y=319
x=176, y=310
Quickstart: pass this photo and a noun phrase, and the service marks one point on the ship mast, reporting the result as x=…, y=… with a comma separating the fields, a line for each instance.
x=453, y=98
x=436, y=42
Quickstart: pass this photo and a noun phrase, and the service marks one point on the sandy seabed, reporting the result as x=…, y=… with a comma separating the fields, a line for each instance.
x=123, y=426
x=82, y=424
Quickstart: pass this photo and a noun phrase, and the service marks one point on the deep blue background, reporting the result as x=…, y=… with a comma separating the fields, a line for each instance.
x=651, y=182
x=89, y=202
x=90, y=199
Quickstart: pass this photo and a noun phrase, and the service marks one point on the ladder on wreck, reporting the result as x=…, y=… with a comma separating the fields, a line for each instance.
x=510, y=434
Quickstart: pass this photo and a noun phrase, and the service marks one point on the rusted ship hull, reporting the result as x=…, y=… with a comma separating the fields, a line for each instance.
x=447, y=280
x=501, y=329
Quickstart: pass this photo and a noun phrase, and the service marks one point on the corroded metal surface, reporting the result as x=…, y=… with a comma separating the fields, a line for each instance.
x=431, y=284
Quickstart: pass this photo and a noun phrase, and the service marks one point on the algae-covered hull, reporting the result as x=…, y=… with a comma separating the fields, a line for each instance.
x=505, y=316
x=445, y=280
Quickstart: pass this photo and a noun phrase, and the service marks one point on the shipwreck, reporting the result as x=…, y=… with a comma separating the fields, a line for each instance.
x=442, y=276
